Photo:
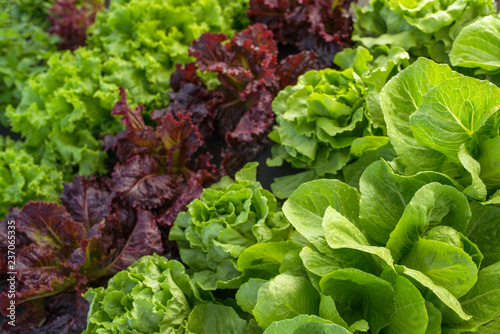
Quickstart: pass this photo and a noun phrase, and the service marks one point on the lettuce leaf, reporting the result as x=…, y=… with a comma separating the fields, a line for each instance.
x=423, y=28
x=323, y=27
x=477, y=46
x=228, y=218
x=25, y=47
x=70, y=20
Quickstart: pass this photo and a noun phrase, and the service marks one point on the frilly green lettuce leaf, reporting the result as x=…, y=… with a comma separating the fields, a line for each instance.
x=226, y=220
x=152, y=296
x=22, y=179
x=25, y=47
x=329, y=117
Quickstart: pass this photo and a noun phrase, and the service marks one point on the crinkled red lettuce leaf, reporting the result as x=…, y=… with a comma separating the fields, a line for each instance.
x=250, y=77
x=67, y=248
x=87, y=199
x=293, y=66
x=70, y=20
x=64, y=313
x=189, y=93
x=143, y=182
x=315, y=25
x=158, y=171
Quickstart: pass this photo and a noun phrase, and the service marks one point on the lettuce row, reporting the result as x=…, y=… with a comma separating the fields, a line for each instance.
x=423, y=28
x=155, y=295
x=330, y=117
x=229, y=217
x=66, y=110
x=398, y=257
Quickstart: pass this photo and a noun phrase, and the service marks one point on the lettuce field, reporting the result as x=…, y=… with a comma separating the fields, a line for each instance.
x=249, y=166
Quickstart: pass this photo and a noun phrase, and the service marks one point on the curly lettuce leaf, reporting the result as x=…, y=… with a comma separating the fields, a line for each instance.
x=228, y=218
x=323, y=27
x=23, y=179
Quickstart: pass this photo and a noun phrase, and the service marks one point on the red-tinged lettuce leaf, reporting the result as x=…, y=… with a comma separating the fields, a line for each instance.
x=49, y=225
x=209, y=51
x=138, y=141
x=29, y=317
x=143, y=182
x=250, y=77
x=293, y=66
x=70, y=21
x=179, y=136
x=19, y=239
x=87, y=200
x=188, y=93
x=132, y=119
x=40, y=269
x=145, y=239
x=64, y=313
x=229, y=113
x=251, y=55
x=250, y=135
x=188, y=190
x=39, y=275
x=314, y=25
x=127, y=235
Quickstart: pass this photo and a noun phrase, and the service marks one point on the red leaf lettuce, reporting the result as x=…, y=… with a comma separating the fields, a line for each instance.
x=322, y=26
x=240, y=108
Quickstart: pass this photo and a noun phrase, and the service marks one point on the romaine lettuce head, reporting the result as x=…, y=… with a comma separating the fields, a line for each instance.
x=439, y=120
x=331, y=117
x=423, y=28
x=394, y=259
x=228, y=218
